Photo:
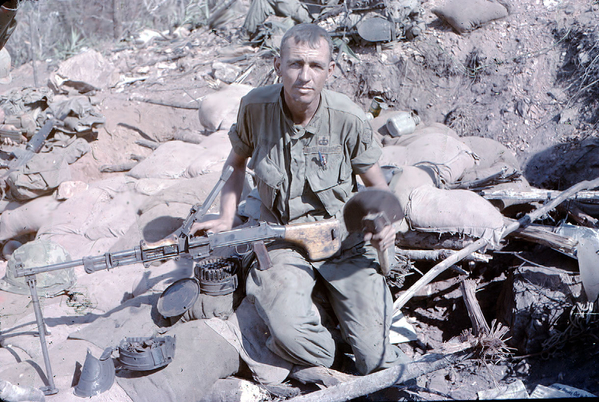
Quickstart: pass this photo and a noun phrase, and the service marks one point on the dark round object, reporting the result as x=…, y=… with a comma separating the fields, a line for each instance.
x=178, y=297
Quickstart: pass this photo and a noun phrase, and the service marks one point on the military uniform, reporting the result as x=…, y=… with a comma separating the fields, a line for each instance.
x=260, y=10
x=306, y=174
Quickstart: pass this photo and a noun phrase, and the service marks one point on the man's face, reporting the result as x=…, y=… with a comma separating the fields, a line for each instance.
x=304, y=70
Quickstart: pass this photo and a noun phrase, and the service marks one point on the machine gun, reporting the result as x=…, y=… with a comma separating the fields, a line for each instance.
x=320, y=240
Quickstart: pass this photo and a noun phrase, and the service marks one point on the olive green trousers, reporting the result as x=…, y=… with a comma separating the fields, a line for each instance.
x=359, y=297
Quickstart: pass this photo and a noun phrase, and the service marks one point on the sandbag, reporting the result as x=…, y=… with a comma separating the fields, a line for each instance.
x=201, y=355
x=172, y=159
x=162, y=213
x=438, y=128
x=27, y=218
x=89, y=222
x=409, y=178
x=218, y=110
x=434, y=128
x=467, y=15
x=454, y=211
x=443, y=154
x=217, y=147
x=494, y=158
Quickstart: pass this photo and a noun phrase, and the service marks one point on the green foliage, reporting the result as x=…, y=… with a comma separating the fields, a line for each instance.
x=70, y=45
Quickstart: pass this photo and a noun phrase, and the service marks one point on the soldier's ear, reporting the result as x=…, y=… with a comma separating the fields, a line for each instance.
x=277, y=65
x=331, y=69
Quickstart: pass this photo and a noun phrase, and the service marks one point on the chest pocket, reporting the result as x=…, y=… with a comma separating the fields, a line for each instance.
x=269, y=178
x=324, y=166
x=329, y=175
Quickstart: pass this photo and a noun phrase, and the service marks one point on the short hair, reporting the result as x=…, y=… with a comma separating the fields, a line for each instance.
x=307, y=33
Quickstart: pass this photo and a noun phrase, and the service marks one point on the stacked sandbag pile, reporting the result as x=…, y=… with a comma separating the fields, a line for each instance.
x=178, y=159
x=431, y=161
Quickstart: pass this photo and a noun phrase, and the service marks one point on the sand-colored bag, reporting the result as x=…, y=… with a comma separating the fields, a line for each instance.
x=218, y=110
x=442, y=154
x=454, y=211
x=467, y=15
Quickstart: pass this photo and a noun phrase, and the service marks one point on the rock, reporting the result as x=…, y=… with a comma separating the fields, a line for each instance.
x=225, y=72
x=86, y=72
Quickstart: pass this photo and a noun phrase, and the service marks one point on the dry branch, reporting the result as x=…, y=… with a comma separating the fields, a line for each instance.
x=581, y=217
x=123, y=167
x=368, y=384
x=147, y=143
x=164, y=103
x=479, y=324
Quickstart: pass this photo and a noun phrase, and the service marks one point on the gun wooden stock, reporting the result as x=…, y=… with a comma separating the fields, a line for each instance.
x=320, y=239
x=170, y=240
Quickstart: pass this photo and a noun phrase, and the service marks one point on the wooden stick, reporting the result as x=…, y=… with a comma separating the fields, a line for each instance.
x=123, y=167
x=581, y=217
x=164, y=103
x=370, y=383
x=479, y=323
x=147, y=143
x=480, y=243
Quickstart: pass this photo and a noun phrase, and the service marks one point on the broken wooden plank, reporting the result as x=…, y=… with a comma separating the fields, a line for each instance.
x=368, y=384
x=539, y=195
x=543, y=235
x=437, y=255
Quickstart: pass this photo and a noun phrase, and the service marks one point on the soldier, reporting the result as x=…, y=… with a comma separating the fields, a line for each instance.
x=306, y=145
x=260, y=10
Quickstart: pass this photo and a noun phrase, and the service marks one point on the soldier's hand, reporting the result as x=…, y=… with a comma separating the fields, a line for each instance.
x=211, y=226
x=383, y=239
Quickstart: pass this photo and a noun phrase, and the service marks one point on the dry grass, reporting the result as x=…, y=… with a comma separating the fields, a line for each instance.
x=57, y=29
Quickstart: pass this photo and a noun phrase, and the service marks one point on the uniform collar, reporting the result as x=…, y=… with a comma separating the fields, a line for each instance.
x=313, y=127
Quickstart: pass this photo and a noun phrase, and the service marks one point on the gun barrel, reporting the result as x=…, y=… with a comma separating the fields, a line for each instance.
x=90, y=264
x=48, y=268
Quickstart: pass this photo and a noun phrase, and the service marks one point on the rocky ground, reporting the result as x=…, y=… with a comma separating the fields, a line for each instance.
x=527, y=81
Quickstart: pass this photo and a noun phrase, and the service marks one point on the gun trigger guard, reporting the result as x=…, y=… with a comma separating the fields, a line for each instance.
x=248, y=249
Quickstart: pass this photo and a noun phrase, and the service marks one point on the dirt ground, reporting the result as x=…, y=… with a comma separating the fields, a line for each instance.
x=517, y=80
